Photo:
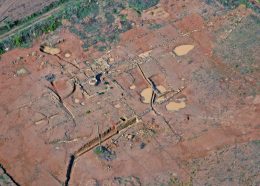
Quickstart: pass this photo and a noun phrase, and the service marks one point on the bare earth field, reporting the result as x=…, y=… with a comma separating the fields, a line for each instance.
x=202, y=128
x=17, y=9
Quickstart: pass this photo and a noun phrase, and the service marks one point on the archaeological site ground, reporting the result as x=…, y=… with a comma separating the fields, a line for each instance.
x=129, y=92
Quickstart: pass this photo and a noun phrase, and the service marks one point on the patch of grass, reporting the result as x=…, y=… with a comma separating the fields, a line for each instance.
x=110, y=18
x=256, y=142
x=101, y=48
x=126, y=25
x=140, y=5
x=246, y=70
x=113, y=37
x=4, y=179
x=85, y=10
x=10, y=24
x=104, y=153
x=123, y=17
x=155, y=26
x=17, y=40
x=91, y=32
x=24, y=38
x=94, y=27
x=239, y=50
x=174, y=181
x=1, y=51
x=235, y=3
x=101, y=38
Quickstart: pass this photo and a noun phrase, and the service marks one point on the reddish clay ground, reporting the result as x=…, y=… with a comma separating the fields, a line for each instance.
x=210, y=141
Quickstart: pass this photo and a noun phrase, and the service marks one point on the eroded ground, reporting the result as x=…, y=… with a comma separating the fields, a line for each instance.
x=202, y=127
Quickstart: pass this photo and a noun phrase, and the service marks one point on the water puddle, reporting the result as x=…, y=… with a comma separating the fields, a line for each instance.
x=132, y=87
x=173, y=106
x=67, y=55
x=183, y=49
x=50, y=50
x=147, y=94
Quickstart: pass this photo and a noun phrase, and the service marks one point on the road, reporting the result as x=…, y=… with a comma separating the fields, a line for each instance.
x=32, y=22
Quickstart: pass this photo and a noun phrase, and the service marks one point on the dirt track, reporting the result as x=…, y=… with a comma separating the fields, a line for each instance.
x=22, y=8
x=32, y=22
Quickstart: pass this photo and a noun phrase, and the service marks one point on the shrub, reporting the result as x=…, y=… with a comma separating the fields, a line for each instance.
x=101, y=48
x=234, y=3
x=126, y=25
x=155, y=26
x=87, y=10
x=110, y=18
x=140, y=5
x=17, y=41
x=2, y=50
x=93, y=27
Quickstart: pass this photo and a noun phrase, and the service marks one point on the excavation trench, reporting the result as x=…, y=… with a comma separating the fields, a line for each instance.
x=69, y=169
x=104, y=136
x=11, y=178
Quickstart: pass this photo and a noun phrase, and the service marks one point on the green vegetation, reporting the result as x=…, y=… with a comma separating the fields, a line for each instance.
x=232, y=3
x=256, y=142
x=4, y=179
x=235, y=3
x=99, y=28
x=109, y=17
x=140, y=5
x=93, y=27
x=2, y=48
x=9, y=24
x=101, y=48
x=155, y=26
x=17, y=40
x=104, y=153
x=26, y=36
x=123, y=17
x=240, y=48
x=85, y=9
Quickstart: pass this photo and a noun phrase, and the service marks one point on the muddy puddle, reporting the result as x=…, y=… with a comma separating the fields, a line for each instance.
x=183, y=49
x=147, y=94
x=174, y=106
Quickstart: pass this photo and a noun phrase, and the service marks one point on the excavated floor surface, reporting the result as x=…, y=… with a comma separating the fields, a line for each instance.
x=208, y=135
